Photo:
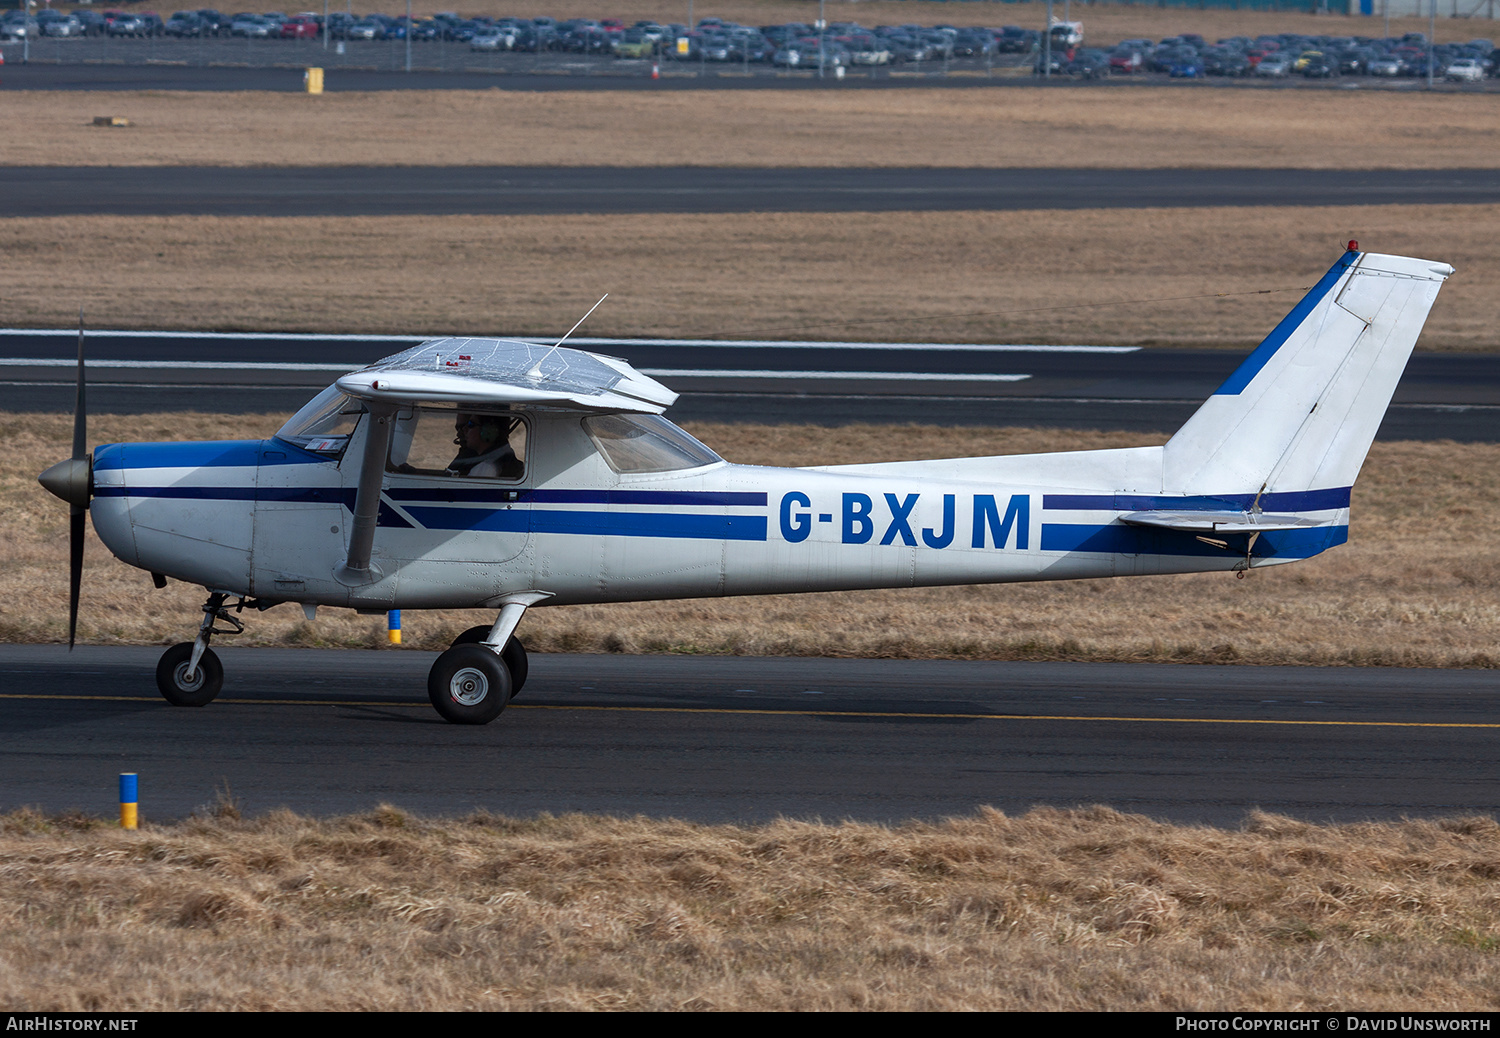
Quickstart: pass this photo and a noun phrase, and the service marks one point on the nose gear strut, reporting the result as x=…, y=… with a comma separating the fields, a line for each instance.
x=189, y=673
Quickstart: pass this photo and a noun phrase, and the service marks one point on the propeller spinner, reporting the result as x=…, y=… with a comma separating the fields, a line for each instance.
x=73, y=481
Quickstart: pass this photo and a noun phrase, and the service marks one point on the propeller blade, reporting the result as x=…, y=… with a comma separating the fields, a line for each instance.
x=80, y=421
x=78, y=511
x=75, y=570
x=73, y=480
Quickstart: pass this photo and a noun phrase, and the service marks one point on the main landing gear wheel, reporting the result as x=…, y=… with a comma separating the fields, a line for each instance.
x=171, y=676
x=514, y=655
x=469, y=684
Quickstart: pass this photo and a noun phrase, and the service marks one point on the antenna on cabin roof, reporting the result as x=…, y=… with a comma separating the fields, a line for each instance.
x=536, y=369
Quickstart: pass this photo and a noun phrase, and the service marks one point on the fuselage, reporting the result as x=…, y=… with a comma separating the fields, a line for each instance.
x=269, y=519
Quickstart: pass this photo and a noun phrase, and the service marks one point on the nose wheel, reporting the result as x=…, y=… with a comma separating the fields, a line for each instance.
x=182, y=686
x=189, y=673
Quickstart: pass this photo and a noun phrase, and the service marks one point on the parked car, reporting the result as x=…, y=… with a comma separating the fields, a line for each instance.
x=1465, y=70
x=184, y=24
x=127, y=25
x=302, y=27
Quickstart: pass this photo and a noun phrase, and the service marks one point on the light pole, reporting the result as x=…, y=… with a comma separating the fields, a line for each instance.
x=1047, y=44
x=822, y=24
x=1431, y=32
x=408, y=35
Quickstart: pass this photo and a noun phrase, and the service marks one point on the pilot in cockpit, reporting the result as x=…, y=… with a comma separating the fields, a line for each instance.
x=484, y=448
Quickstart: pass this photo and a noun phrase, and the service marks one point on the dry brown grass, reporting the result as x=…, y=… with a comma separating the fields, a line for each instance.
x=1122, y=126
x=956, y=277
x=1069, y=910
x=1416, y=586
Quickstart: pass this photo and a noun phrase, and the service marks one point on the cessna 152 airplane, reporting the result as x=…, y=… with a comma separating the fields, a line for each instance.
x=568, y=486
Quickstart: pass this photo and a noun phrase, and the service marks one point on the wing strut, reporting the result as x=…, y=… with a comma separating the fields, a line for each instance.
x=356, y=569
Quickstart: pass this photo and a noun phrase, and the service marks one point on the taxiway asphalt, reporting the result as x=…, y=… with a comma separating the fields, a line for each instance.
x=717, y=739
x=481, y=190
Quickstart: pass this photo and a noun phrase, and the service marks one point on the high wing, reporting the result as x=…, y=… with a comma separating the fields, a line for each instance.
x=503, y=371
x=474, y=372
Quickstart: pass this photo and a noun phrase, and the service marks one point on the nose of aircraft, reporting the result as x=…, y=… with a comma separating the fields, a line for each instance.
x=71, y=479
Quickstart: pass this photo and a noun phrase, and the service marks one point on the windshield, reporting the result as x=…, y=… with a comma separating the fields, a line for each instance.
x=646, y=443
x=324, y=424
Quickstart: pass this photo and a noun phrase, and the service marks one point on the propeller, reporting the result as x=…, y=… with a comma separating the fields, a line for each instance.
x=73, y=481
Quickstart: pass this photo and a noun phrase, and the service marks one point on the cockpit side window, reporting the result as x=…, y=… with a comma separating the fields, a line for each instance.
x=324, y=424
x=445, y=441
x=646, y=443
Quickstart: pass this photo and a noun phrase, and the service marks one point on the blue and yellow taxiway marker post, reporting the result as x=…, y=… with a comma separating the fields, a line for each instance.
x=393, y=627
x=128, y=800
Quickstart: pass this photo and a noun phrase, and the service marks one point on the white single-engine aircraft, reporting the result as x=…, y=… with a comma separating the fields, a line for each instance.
x=492, y=474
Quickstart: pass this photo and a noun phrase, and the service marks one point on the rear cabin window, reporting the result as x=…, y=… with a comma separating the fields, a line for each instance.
x=645, y=443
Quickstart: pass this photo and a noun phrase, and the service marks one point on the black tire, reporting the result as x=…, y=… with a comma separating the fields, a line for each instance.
x=199, y=692
x=469, y=684
x=514, y=655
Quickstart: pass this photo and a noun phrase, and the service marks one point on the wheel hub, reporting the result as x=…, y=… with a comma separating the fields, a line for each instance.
x=469, y=686
x=179, y=676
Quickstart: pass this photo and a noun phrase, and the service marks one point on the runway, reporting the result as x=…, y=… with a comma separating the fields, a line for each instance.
x=497, y=190
x=717, y=739
x=1442, y=395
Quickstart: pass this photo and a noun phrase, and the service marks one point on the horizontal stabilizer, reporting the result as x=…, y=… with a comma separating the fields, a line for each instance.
x=1219, y=522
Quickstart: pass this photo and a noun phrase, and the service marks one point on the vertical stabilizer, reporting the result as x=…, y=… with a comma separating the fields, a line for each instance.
x=1301, y=411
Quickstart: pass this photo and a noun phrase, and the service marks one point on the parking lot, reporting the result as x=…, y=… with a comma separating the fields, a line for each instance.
x=722, y=50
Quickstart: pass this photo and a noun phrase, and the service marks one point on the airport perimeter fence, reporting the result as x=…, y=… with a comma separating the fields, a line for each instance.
x=436, y=56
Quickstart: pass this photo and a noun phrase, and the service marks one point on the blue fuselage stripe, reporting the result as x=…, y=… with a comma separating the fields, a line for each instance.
x=188, y=493
x=617, y=524
x=480, y=495
x=1289, y=501
x=203, y=454
x=1119, y=539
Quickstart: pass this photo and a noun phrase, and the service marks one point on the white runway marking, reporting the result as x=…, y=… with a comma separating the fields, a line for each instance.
x=256, y=365
x=767, y=344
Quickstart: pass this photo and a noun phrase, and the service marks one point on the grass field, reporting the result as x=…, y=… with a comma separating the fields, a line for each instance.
x=1185, y=277
x=1053, y=910
x=1413, y=587
x=1122, y=125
